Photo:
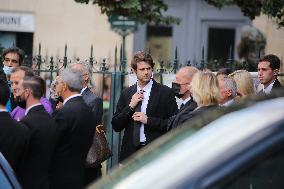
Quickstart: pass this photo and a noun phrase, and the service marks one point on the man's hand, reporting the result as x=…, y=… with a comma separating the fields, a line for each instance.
x=137, y=97
x=140, y=116
x=59, y=105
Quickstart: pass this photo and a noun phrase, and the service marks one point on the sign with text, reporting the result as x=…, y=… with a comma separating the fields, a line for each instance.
x=18, y=22
x=122, y=24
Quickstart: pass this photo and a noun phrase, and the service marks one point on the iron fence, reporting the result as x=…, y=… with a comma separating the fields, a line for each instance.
x=117, y=71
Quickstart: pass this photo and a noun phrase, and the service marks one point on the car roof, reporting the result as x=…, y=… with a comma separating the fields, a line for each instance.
x=186, y=156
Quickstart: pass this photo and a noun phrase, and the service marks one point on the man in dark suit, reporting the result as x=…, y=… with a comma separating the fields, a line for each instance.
x=14, y=137
x=75, y=126
x=96, y=105
x=181, y=86
x=268, y=68
x=33, y=171
x=142, y=107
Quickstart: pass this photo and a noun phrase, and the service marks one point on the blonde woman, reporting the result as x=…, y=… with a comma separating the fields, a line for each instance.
x=244, y=83
x=205, y=92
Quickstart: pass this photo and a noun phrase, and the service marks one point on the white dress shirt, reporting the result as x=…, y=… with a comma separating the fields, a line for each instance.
x=3, y=110
x=83, y=90
x=29, y=108
x=146, y=93
x=185, y=101
x=268, y=89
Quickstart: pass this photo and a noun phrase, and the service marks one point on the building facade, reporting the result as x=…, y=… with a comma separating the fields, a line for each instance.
x=202, y=25
x=54, y=23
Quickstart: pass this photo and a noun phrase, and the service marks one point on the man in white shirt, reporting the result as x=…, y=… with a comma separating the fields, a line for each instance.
x=268, y=68
x=181, y=87
x=142, y=107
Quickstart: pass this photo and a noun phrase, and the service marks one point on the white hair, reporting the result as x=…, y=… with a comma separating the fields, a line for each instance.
x=73, y=78
x=230, y=84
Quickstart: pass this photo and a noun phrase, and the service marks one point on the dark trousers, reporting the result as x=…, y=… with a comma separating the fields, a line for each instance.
x=92, y=174
x=141, y=145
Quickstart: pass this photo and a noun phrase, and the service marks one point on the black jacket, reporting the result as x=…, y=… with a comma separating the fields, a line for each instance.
x=197, y=112
x=161, y=106
x=33, y=172
x=276, y=86
x=95, y=103
x=14, y=138
x=182, y=115
x=75, y=126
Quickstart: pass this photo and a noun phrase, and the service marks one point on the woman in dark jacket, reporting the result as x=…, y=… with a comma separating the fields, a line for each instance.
x=205, y=92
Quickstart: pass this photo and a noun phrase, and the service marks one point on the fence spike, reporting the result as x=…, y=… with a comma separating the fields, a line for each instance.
x=115, y=58
x=202, y=62
x=176, y=60
x=230, y=58
x=91, y=60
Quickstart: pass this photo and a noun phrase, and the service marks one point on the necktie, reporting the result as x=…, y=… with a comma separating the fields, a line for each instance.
x=261, y=92
x=181, y=106
x=137, y=125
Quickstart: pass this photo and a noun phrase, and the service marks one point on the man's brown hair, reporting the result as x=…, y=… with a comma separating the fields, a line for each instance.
x=141, y=56
x=273, y=60
x=28, y=71
x=17, y=50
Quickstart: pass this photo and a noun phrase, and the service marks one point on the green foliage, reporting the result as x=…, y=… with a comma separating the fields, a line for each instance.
x=252, y=8
x=142, y=11
x=151, y=11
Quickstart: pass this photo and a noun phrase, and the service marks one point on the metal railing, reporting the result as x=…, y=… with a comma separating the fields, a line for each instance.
x=50, y=67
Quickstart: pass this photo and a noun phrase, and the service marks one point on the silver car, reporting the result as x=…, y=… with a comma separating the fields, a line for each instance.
x=242, y=149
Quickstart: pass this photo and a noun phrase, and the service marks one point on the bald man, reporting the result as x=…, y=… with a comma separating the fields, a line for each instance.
x=181, y=86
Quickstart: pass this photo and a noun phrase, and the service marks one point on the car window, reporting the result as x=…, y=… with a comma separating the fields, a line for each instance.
x=267, y=173
x=4, y=182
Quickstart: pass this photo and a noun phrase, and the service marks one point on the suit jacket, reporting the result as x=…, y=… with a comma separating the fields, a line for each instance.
x=75, y=126
x=33, y=172
x=161, y=106
x=95, y=103
x=195, y=113
x=14, y=138
x=276, y=86
x=177, y=119
x=18, y=113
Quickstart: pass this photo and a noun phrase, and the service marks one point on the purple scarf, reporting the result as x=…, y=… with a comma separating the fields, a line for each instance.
x=18, y=113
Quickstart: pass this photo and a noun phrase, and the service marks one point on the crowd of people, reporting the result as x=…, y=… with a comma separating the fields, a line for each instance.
x=47, y=146
x=46, y=140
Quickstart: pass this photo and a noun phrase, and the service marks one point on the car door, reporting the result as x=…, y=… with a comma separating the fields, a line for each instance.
x=8, y=179
x=259, y=167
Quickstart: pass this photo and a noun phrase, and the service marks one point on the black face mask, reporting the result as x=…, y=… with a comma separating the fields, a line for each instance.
x=21, y=102
x=176, y=89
